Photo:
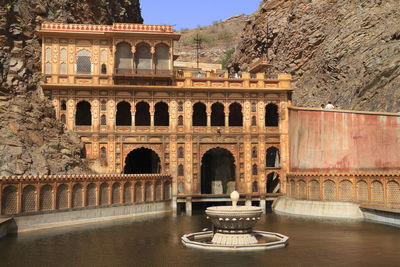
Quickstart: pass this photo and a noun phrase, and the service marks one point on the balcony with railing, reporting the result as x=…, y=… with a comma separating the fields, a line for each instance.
x=143, y=73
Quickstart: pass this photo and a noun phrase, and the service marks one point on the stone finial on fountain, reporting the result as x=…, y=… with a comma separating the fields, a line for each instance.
x=235, y=197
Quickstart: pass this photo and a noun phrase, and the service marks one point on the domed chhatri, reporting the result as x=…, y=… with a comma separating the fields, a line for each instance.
x=233, y=230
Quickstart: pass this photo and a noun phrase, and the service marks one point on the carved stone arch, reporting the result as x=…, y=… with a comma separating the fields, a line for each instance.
x=218, y=170
x=156, y=148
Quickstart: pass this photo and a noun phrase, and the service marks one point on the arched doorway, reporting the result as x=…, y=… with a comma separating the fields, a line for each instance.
x=142, y=116
x=199, y=114
x=161, y=114
x=217, y=114
x=217, y=172
x=235, y=115
x=273, y=183
x=123, y=58
x=272, y=115
x=124, y=115
x=142, y=160
x=83, y=114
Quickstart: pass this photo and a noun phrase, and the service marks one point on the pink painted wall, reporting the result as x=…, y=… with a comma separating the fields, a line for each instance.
x=339, y=141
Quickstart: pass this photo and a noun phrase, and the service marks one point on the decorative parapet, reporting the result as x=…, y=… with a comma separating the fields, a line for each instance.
x=47, y=193
x=376, y=188
x=116, y=27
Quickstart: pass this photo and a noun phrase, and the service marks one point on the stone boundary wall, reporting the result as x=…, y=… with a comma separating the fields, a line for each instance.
x=31, y=195
x=89, y=215
x=366, y=188
x=341, y=141
x=334, y=209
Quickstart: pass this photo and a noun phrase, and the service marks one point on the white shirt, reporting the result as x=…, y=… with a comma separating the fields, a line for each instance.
x=329, y=106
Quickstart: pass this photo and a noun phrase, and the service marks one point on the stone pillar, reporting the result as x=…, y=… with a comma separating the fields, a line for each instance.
x=98, y=194
x=263, y=204
x=208, y=110
x=152, y=116
x=188, y=206
x=188, y=165
x=226, y=111
x=111, y=115
x=246, y=115
x=174, y=204
x=247, y=164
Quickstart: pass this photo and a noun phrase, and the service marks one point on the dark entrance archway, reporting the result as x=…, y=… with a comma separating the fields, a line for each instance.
x=124, y=116
x=142, y=160
x=273, y=183
x=235, y=115
x=218, y=166
x=199, y=114
x=83, y=114
x=142, y=116
x=217, y=115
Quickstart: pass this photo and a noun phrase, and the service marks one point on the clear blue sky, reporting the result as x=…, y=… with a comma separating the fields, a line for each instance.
x=193, y=13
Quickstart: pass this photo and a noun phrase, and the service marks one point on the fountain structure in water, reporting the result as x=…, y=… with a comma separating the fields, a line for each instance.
x=233, y=230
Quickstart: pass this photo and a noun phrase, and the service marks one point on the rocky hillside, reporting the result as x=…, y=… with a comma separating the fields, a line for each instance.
x=32, y=141
x=217, y=40
x=347, y=52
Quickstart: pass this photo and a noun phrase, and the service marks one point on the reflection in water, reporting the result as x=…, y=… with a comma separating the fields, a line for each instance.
x=155, y=241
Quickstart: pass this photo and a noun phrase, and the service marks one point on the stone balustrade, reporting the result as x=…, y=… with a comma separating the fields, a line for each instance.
x=37, y=194
x=125, y=27
x=367, y=188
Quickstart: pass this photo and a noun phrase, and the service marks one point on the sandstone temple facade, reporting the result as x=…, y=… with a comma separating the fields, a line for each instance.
x=116, y=86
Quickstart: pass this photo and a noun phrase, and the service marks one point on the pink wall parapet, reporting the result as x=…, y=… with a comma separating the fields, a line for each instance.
x=343, y=141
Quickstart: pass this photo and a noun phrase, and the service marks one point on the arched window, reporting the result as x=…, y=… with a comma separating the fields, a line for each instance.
x=161, y=57
x=253, y=121
x=142, y=116
x=63, y=68
x=180, y=152
x=124, y=58
x=180, y=106
x=48, y=68
x=199, y=114
x=103, y=105
x=161, y=115
x=103, y=120
x=124, y=116
x=254, y=153
x=63, y=54
x=48, y=54
x=103, y=56
x=83, y=114
x=83, y=62
x=63, y=105
x=254, y=169
x=63, y=118
x=253, y=107
x=180, y=170
x=180, y=120
x=143, y=57
x=217, y=115
x=272, y=157
x=272, y=115
x=103, y=153
x=255, y=187
x=235, y=115
x=103, y=69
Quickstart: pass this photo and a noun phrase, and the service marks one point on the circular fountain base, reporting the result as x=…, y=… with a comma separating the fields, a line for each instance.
x=234, y=240
x=264, y=241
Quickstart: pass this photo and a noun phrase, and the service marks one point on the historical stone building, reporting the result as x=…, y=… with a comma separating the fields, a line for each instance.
x=115, y=85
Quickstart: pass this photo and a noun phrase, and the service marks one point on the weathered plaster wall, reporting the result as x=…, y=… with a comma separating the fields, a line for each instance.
x=340, y=141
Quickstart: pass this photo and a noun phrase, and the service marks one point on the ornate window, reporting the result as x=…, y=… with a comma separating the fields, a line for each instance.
x=253, y=121
x=83, y=62
x=103, y=105
x=161, y=58
x=254, y=153
x=254, y=169
x=253, y=107
x=143, y=57
x=161, y=114
x=103, y=120
x=103, y=69
x=180, y=106
x=272, y=115
x=48, y=68
x=180, y=152
x=180, y=170
x=124, y=58
x=103, y=56
x=180, y=120
x=235, y=115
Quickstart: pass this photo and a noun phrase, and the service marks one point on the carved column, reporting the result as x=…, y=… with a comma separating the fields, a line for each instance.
x=152, y=116
x=173, y=115
x=247, y=115
x=188, y=164
x=208, y=110
x=111, y=114
x=247, y=163
x=226, y=111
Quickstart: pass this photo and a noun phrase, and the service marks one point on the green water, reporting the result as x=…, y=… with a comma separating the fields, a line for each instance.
x=155, y=241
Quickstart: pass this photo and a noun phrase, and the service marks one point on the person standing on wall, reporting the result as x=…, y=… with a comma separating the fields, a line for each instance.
x=329, y=106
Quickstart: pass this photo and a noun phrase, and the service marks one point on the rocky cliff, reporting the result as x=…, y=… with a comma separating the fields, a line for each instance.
x=347, y=52
x=32, y=141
